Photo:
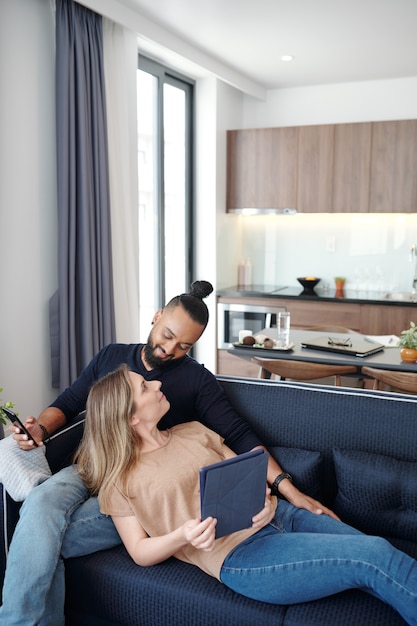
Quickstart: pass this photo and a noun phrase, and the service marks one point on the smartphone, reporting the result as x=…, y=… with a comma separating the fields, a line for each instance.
x=17, y=422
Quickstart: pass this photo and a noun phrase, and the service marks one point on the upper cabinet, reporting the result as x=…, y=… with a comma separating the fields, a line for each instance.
x=340, y=168
x=315, y=168
x=394, y=167
x=351, y=168
x=262, y=168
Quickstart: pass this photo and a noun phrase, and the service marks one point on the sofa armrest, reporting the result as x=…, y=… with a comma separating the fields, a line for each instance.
x=59, y=452
x=63, y=444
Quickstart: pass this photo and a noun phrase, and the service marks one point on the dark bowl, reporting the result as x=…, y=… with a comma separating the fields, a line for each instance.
x=309, y=283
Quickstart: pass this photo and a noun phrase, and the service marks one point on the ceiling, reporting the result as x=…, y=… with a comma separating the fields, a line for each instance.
x=332, y=41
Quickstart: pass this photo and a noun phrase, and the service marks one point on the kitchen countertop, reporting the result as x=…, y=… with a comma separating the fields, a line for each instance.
x=329, y=295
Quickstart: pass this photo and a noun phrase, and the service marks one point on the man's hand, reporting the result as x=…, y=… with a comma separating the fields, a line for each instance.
x=23, y=440
x=51, y=418
x=302, y=501
x=292, y=494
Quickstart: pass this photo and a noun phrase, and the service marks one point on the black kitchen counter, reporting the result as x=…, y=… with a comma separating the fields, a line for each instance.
x=329, y=295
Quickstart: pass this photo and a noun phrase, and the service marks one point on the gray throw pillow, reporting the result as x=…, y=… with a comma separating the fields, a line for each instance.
x=376, y=493
x=20, y=470
x=305, y=466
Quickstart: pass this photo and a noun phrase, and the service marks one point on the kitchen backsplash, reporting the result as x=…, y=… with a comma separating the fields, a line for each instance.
x=373, y=251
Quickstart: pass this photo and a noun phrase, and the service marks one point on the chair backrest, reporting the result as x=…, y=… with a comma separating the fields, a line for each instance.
x=301, y=370
x=401, y=381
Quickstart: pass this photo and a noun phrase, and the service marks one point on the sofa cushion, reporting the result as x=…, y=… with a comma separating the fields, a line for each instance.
x=376, y=493
x=173, y=593
x=305, y=466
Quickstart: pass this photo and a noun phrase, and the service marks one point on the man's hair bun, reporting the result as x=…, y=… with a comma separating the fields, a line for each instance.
x=201, y=289
x=192, y=302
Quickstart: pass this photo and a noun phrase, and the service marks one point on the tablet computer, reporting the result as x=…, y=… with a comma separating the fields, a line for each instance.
x=234, y=490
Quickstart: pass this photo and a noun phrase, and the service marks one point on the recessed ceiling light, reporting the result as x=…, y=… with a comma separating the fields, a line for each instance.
x=287, y=57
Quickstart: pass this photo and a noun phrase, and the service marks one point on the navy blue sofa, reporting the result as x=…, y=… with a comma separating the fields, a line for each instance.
x=354, y=449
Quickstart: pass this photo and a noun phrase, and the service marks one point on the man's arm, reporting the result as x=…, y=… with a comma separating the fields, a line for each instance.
x=290, y=492
x=214, y=410
x=217, y=413
x=71, y=401
x=47, y=423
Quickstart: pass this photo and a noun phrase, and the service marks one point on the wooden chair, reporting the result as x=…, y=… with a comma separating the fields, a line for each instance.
x=301, y=370
x=396, y=381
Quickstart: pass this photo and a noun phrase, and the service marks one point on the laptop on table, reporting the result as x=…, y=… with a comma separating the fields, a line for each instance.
x=353, y=346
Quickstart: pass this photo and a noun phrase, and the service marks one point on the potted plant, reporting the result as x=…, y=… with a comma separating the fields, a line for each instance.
x=340, y=283
x=408, y=344
x=8, y=405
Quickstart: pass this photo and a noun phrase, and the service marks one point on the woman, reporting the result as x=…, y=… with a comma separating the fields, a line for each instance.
x=148, y=481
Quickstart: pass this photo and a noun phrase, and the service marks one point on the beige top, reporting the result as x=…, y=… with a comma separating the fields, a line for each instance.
x=164, y=491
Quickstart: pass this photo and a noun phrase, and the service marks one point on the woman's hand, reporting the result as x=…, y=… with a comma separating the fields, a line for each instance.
x=200, y=534
x=263, y=518
x=147, y=551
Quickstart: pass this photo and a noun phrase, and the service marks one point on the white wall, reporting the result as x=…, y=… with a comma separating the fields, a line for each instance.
x=372, y=251
x=218, y=107
x=334, y=104
x=205, y=200
x=27, y=201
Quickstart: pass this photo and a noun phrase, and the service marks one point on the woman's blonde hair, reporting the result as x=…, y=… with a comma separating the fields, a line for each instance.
x=109, y=447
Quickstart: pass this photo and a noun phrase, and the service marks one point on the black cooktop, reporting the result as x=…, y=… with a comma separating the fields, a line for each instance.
x=255, y=289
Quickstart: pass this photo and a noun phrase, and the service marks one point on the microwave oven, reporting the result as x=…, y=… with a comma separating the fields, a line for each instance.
x=231, y=318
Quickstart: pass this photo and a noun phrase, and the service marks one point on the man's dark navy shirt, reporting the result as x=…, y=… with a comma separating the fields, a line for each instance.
x=193, y=392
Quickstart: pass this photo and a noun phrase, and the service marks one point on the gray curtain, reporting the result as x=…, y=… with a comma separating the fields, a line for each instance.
x=82, y=311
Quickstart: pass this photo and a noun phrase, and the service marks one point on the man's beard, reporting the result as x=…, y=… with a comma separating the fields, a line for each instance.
x=153, y=361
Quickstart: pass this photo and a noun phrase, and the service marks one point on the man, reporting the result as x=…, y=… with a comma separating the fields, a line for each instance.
x=58, y=519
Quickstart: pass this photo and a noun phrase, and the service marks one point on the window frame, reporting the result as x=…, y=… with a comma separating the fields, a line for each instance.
x=166, y=75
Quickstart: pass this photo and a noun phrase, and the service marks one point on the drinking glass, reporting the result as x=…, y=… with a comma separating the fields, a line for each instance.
x=284, y=318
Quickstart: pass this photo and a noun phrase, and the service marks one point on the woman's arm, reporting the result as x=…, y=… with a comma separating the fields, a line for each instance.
x=146, y=550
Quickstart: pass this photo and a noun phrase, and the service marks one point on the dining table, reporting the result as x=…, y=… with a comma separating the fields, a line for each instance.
x=388, y=358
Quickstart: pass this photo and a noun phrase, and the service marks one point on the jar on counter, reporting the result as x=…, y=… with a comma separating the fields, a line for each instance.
x=244, y=278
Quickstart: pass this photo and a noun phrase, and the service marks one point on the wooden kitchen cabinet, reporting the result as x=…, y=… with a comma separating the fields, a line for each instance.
x=393, y=181
x=230, y=365
x=288, y=167
x=385, y=319
x=243, y=176
x=351, y=167
x=305, y=313
x=315, y=168
x=337, y=168
x=262, y=168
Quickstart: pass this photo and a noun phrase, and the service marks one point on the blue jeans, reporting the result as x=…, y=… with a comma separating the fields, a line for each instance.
x=58, y=519
x=301, y=557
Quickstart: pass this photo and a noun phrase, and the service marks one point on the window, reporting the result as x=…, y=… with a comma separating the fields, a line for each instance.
x=165, y=124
